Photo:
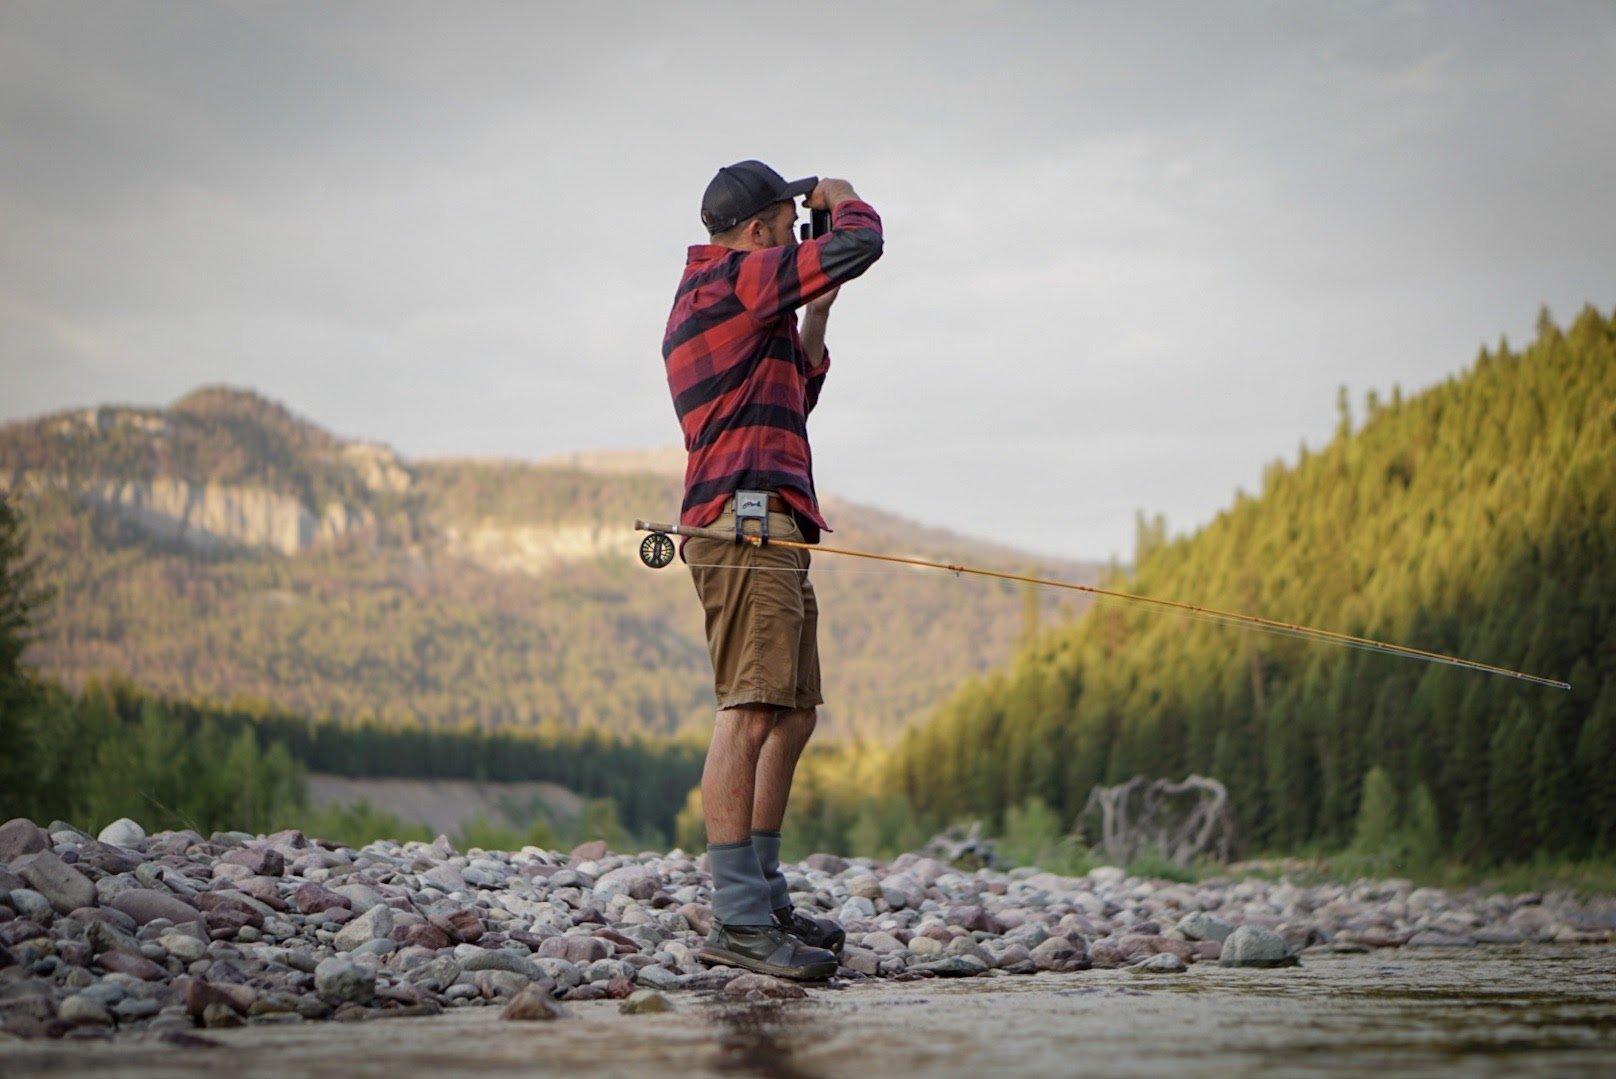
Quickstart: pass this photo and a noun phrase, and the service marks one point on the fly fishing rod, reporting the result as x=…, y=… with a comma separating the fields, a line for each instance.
x=657, y=551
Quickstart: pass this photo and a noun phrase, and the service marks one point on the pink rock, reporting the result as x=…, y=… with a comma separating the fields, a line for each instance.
x=222, y=902
x=699, y=916
x=1059, y=954
x=263, y=861
x=136, y=965
x=146, y=905
x=592, y=851
x=460, y=924
x=20, y=836
x=310, y=898
x=264, y=890
x=762, y=987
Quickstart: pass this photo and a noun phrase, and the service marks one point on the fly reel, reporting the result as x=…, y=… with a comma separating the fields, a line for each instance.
x=656, y=550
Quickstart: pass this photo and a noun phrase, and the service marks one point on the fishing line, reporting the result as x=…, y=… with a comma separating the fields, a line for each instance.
x=657, y=551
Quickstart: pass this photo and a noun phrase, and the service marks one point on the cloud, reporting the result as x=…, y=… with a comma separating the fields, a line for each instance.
x=1132, y=251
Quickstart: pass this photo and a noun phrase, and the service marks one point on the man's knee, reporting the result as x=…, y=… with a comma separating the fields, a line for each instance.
x=800, y=722
x=745, y=726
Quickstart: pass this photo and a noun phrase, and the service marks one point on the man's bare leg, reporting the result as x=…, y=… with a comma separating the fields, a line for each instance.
x=730, y=776
x=776, y=765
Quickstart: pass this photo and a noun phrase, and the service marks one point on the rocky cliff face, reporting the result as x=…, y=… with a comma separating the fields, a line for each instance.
x=209, y=516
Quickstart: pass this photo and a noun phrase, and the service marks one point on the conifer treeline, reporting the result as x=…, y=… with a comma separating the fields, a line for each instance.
x=1475, y=519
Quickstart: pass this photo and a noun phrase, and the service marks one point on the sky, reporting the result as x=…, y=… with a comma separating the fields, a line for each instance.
x=1132, y=249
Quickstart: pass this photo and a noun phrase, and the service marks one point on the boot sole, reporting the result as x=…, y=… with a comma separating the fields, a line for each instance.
x=813, y=972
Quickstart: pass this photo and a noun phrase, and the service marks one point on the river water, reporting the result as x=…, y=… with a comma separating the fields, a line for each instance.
x=1502, y=1011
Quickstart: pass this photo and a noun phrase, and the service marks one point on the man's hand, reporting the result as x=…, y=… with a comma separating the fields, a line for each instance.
x=827, y=193
x=820, y=305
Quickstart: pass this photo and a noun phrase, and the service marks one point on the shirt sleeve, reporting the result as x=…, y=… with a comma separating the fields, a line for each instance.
x=781, y=279
x=816, y=381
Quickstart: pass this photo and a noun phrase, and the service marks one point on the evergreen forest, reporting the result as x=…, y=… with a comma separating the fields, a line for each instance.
x=1476, y=518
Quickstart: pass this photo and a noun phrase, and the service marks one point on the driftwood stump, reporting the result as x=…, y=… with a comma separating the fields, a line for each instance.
x=1182, y=821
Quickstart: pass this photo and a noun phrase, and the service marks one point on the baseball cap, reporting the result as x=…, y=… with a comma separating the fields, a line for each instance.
x=742, y=189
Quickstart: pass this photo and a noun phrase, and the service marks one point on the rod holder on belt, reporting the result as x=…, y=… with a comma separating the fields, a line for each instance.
x=752, y=506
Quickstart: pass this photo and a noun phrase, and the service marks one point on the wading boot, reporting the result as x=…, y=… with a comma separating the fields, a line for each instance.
x=816, y=932
x=767, y=949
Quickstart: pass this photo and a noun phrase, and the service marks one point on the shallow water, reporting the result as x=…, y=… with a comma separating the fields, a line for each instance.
x=1482, y=1011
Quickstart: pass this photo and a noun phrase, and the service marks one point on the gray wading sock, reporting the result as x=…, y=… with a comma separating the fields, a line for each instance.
x=740, y=895
x=767, y=845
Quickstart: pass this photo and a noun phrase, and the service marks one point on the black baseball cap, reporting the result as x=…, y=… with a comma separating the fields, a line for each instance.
x=742, y=189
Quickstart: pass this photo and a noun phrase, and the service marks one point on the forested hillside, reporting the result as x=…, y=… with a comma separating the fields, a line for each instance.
x=224, y=550
x=1477, y=518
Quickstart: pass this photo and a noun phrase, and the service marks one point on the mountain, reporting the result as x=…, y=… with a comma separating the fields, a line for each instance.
x=224, y=548
x=1477, y=519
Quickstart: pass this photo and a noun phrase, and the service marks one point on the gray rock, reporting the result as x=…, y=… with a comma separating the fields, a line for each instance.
x=435, y=976
x=1060, y=955
x=131, y=1009
x=634, y=881
x=657, y=978
x=501, y=959
x=82, y=1009
x=604, y=970
x=533, y=1003
x=1163, y=963
x=1254, y=946
x=1433, y=938
x=30, y=904
x=147, y=905
x=359, y=896
x=344, y=979
x=952, y=966
x=1199, y=925
x=373, y=924
x=124, y=832
x=182, y=946
x=566, y=975
x=645, y=1002
x=20, y=836
x=65, y=887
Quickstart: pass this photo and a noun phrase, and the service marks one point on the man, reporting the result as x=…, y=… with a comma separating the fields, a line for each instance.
x=744, y=377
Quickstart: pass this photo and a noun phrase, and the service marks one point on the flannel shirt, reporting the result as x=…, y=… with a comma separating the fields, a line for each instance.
x=740, y=378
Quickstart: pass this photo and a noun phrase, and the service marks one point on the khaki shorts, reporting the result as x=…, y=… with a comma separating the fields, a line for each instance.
x=762, y=618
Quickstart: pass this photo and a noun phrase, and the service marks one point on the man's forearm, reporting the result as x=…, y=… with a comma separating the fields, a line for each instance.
x=812, y=332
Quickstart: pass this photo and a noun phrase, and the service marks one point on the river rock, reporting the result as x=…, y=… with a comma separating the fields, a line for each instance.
x=762, y=987
x=20, y=836
x=64, y=886
x=1434, y=938
x=634, y=881
x=124, y=832
x=952, y=966
x=147, y=905
x=501, y=959
x=136, y=966
x=342, y=978
x=1199, y=925
x=533, y=1003
x=1255, y=946
x=375, y=924
x=1060, y=955
x=1162, y=963
x=580, y=951
x=645, y=1002
x=459, y=924
x=79, y=1008
x=311, y=898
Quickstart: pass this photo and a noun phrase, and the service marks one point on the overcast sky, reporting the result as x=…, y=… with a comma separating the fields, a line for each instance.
x=1132, y=248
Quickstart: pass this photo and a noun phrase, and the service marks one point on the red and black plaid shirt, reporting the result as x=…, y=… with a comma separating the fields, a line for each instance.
x=741, y=381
